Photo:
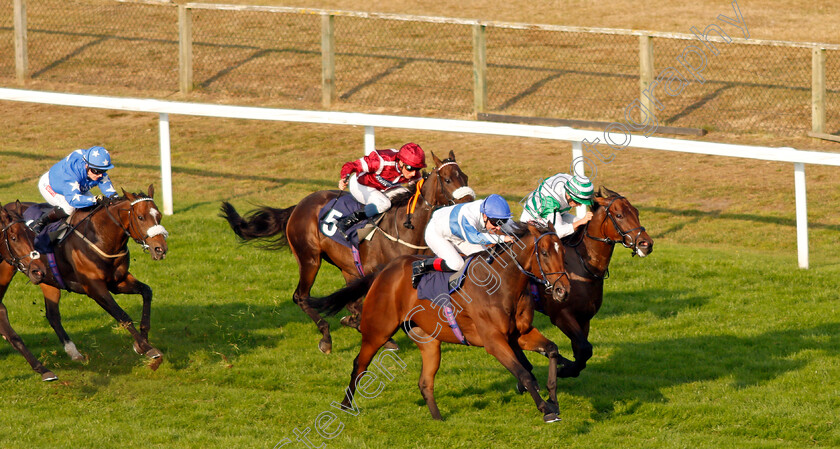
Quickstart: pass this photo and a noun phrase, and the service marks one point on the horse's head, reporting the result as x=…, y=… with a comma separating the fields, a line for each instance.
x=548, y=256
x=447, y=184
x=17, y=247
x=142, y=222
x=615, y=220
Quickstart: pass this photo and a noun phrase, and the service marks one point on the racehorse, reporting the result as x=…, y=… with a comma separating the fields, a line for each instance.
x=491, y=312
x=18, y=253
x=298, y=226
x=587, y=257
x=93, y=260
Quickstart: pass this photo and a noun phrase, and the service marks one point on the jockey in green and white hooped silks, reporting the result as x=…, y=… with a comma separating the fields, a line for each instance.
x=554, y=199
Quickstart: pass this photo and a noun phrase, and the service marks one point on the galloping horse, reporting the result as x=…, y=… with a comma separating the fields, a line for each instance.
x=492, y=312
x=298, y=227
x=588, y=254
x=93, y=260
x=18, y=253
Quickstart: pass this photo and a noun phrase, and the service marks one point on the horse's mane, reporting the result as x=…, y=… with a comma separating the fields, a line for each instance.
x=402, y=199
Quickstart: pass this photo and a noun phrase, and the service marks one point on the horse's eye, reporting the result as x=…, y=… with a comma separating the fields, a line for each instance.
x=544, y=253
x=13, y=237
x=619, y=216
x=141, y=218
x=448, y=180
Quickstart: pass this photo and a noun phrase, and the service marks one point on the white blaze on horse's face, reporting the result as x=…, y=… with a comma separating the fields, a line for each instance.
x=556, y=247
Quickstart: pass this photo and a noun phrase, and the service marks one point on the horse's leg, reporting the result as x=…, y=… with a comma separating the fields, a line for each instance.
x=52, y=296
x=431, y=362
x=534, y=340
x=355, y=307
x=99, y=292
x=496, y=344
x=578, y=333
x=7, y=272
x=308, y=266
x=520, y=356
x=130, y=285
x=372, y=340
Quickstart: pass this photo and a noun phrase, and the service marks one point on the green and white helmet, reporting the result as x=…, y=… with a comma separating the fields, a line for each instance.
x=580, y=189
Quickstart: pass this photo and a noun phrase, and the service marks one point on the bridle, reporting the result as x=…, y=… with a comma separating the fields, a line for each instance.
x=16, y=261
x=132, y=226
x=451, y=198
x=627, y=240
x=543, y=277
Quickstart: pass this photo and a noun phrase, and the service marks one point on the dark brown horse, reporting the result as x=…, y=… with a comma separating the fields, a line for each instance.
x=298, y=227
x=18, y=253
x=491, y=312
x=93, y=260
x=588, y=254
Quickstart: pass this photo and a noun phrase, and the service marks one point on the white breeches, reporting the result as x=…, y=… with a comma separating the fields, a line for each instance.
x=447, y=246
x=56, y=199
x=368, y=195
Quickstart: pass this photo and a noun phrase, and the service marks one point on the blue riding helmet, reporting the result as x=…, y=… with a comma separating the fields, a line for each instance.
x=494, y=206
x=97, y=157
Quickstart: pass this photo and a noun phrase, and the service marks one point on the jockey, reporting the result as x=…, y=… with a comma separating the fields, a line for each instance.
x=463, y=228
x=67, y=183
x=380, y=170
x=553, y=200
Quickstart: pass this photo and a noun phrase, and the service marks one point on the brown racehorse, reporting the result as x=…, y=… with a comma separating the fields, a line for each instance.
x=298, y=227
x=93, y=260
x=18, y=253
x=588, y=254
x=491, y=312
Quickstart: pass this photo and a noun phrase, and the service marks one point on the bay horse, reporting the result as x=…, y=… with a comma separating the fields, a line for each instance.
x=17, y=250
x=587, y=257
x=93, y=260
x=492, y=312
x=297, y=226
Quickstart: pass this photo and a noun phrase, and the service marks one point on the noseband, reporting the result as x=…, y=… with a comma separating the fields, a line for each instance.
x=543, y=278
x=627, y=240
x=16, y=261
x=459, y=193
x=151, y=232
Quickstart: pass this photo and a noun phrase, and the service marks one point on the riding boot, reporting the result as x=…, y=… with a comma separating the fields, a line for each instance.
x=421, y=267
x=346, y=222
x=56, y=213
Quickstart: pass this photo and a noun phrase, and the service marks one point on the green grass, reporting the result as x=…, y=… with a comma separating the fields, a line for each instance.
x=694, y=347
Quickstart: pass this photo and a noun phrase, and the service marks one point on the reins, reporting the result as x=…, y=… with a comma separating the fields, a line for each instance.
x=543, y=279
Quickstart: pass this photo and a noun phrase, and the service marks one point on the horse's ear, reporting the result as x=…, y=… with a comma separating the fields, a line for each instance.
x=534, y=231
x=438, y=162
x=151, y=190
x=451, y=155
x=125, y=194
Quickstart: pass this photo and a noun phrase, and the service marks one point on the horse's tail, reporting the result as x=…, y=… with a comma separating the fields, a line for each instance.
x=264, y=222
x=333, y=303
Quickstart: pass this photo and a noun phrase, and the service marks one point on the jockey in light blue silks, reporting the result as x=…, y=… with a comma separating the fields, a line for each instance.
x=466, y=229
x=67, y=183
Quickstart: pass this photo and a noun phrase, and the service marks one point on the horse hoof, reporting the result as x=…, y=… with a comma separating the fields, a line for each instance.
x=154, y=364
x=391, y=345
x=350, y=321
x=153, y=354
x=48, y=376
x=325, y=346
x=551, y=417
x=520, y=388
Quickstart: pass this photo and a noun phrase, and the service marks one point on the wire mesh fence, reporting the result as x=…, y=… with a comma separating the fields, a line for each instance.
x=409, y=65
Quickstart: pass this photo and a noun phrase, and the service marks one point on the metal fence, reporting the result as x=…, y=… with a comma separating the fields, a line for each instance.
x=302, y=58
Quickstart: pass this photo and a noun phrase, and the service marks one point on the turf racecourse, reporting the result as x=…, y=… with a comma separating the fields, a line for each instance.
x=692, y=349
x=715, y=340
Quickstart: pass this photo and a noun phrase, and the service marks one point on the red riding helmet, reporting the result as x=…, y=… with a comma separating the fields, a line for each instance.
x=412, y=155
